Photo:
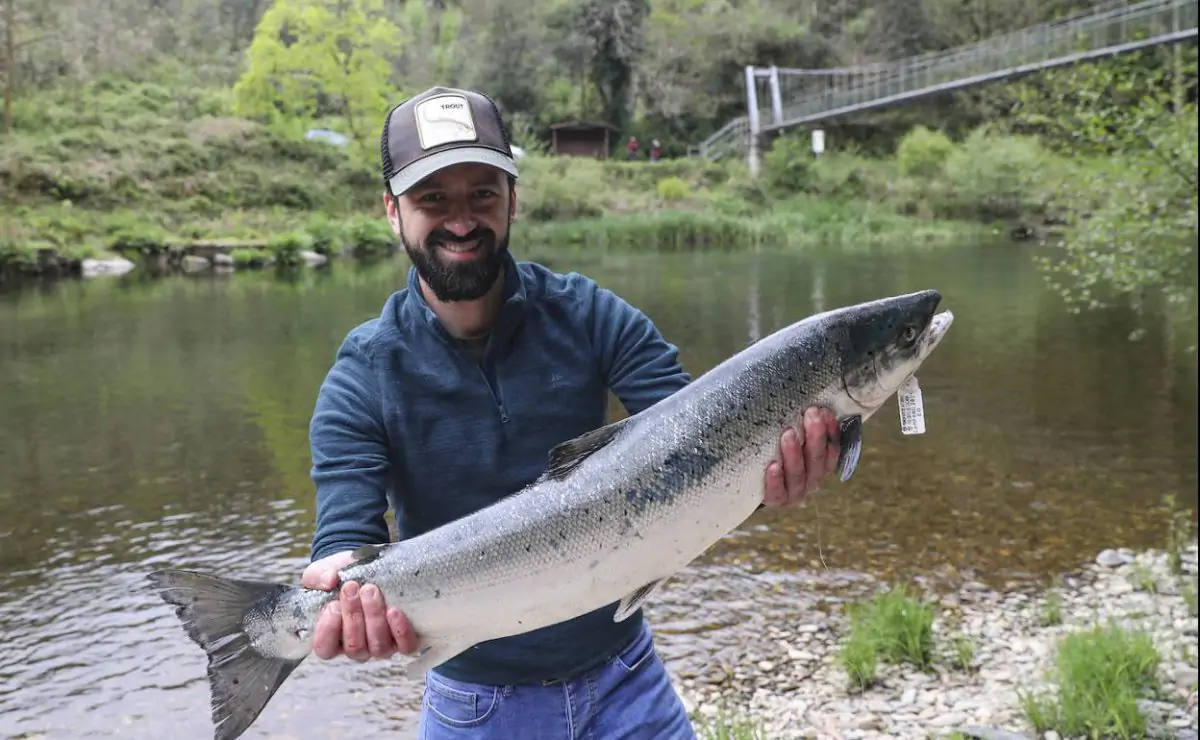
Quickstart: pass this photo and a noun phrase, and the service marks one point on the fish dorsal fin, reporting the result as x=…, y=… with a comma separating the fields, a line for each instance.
x=569, y=455
x=633, y=601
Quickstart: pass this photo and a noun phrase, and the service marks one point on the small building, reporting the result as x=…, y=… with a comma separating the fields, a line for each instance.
x=581, y=139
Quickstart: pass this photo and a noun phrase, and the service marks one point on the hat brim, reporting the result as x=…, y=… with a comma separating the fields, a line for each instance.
x=403, y=180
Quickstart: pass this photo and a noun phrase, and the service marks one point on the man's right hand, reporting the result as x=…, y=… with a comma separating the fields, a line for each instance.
x=358, y=624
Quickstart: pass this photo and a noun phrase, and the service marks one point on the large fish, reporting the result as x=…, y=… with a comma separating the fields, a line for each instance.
x=617, y=512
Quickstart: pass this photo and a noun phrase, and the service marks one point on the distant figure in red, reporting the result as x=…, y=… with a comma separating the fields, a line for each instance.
x=632, y=147
x=655, y=150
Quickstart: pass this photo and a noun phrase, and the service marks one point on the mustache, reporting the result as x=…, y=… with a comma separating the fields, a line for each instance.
x=443, y=236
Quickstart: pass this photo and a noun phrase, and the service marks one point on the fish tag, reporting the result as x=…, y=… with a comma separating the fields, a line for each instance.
x=912, y=411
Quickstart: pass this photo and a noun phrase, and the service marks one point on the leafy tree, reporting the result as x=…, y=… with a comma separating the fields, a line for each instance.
x=1132, y=223
x=321, y=57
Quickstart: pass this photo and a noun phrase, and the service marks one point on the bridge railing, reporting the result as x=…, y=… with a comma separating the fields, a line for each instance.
x=1110, y=28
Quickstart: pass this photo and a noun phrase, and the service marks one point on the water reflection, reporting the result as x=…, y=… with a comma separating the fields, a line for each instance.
x=149, y=423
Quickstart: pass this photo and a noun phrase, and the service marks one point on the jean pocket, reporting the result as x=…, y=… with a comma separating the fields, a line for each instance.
x=636, y=655
x=463, y=705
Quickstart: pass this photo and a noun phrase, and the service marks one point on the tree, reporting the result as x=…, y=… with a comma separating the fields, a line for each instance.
x=1132, y=223
x=321, y=57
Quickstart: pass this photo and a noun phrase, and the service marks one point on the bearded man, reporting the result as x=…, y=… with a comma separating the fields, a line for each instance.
x=452, y=399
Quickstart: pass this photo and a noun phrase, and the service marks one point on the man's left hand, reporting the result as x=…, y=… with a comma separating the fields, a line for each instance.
x=804, y=459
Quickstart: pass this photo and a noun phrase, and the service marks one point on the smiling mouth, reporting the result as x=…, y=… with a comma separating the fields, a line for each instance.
x=460, y=247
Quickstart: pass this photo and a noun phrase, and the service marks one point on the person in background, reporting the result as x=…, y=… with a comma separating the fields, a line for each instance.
x=655, y=150
x=631, y=148
x=452, y=398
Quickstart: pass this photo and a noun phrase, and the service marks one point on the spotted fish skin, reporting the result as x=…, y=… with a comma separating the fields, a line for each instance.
x=618, y=510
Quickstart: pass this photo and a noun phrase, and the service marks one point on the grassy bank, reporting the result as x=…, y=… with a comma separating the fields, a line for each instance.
x=143, y=169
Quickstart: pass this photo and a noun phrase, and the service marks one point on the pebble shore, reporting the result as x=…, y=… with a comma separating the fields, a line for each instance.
x=802, y=691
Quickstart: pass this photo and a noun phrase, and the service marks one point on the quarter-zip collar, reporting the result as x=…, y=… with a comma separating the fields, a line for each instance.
x=511, y=310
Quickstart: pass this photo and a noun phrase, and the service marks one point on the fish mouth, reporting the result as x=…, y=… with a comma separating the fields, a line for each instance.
x=938, y=326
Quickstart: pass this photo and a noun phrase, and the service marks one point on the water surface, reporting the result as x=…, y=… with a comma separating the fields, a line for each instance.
x=164, y=423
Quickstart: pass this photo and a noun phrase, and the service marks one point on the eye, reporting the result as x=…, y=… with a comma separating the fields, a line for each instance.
x=909, y=334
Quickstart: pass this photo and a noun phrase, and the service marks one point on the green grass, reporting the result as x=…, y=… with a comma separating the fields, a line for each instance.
x=1099, y=675
x=726, y=726
x=893, y=627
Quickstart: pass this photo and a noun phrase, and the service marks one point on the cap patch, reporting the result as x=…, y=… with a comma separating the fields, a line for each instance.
x=444, y=119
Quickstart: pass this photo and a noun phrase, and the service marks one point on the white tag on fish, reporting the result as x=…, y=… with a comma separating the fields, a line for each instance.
x=912, y=411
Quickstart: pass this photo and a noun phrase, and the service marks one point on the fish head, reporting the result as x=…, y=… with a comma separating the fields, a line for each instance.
x=882, y=343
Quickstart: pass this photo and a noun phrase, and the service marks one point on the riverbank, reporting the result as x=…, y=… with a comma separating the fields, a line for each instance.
x=147, y=173
x=1114, y=645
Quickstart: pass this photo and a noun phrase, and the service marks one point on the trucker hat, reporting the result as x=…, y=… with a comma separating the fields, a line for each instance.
x=440, y=127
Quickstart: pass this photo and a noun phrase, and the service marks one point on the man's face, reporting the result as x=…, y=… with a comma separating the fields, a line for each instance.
x=454, y=226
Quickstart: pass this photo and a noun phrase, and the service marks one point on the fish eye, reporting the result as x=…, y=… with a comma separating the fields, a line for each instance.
x=910, y=333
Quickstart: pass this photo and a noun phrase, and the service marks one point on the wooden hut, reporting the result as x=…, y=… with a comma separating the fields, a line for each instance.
x=581, y=139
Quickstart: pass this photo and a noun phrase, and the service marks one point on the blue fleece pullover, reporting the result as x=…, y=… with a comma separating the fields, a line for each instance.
x=408, y=417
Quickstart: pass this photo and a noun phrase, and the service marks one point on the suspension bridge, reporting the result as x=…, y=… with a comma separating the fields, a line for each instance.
x=799, y=97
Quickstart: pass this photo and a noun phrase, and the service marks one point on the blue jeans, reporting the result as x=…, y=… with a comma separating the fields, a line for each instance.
x=628, y=698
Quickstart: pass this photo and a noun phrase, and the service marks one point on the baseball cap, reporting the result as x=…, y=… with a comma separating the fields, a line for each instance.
x=440, y=127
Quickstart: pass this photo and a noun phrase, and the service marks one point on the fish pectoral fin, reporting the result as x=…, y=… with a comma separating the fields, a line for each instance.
x=568, y=455
x=634, y=601
x=431, y=657
x=851, y=448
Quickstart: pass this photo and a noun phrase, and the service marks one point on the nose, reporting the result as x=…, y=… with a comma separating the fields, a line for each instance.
x=460, y=225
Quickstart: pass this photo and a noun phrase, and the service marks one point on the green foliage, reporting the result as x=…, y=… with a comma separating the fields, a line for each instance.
x=1132, y=223
x=892, y=627
x=672, y=189
x=1100, y=675
x=787, y=165
x=922, y=152
x=993, y=176
x=312, y=57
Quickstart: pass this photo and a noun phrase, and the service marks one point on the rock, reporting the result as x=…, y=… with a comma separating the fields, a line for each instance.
x=993, y=733
x=112, y=266
x=192, y=263
x=1113, y=559
x=222, y=259
x=313, y=259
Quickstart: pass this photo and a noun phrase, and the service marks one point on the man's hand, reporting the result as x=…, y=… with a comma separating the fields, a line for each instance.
x=358, y=624
x=803, y=461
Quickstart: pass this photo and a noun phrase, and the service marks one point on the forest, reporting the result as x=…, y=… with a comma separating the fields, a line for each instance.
x=185, y=119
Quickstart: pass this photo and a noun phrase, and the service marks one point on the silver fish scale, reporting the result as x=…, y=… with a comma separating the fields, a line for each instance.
x=570, y=544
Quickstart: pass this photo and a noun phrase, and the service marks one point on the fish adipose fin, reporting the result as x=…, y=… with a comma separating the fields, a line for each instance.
x=569, y=455
x=634, y=601
x=214, y=611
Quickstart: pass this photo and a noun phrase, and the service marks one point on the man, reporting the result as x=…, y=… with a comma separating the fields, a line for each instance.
x=452, y=398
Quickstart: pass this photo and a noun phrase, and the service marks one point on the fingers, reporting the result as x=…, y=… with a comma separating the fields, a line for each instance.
x=378, y=631
x=323, y=574
x=354, y=627
x=774, y=491
x=403, y=636
x=815, y=445
x=792, y=452
x=327, y=637
x=833, y=434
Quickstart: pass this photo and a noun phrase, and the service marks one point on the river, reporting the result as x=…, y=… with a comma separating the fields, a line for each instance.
x=150, y=423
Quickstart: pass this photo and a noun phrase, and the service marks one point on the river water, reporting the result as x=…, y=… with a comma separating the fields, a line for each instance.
x=150, y=423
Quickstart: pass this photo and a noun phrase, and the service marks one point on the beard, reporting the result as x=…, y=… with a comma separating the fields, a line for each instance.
x=467, y=280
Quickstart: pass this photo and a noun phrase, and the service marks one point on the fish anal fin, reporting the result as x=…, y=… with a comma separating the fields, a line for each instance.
x=569, y=455
x=431, y=657
x=851, y=446
x=633, y=601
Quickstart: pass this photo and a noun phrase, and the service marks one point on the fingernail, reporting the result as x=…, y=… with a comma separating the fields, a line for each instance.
x=351, y=590
x=813, y=414
x=369, y=594
x=335, y=608
x=328, y=577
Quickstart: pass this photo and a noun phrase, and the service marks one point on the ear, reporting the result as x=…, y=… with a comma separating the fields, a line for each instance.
x=512, y=203
x=393, y=212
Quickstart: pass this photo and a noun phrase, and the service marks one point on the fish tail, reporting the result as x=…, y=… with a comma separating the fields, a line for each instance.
x=214, y=612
